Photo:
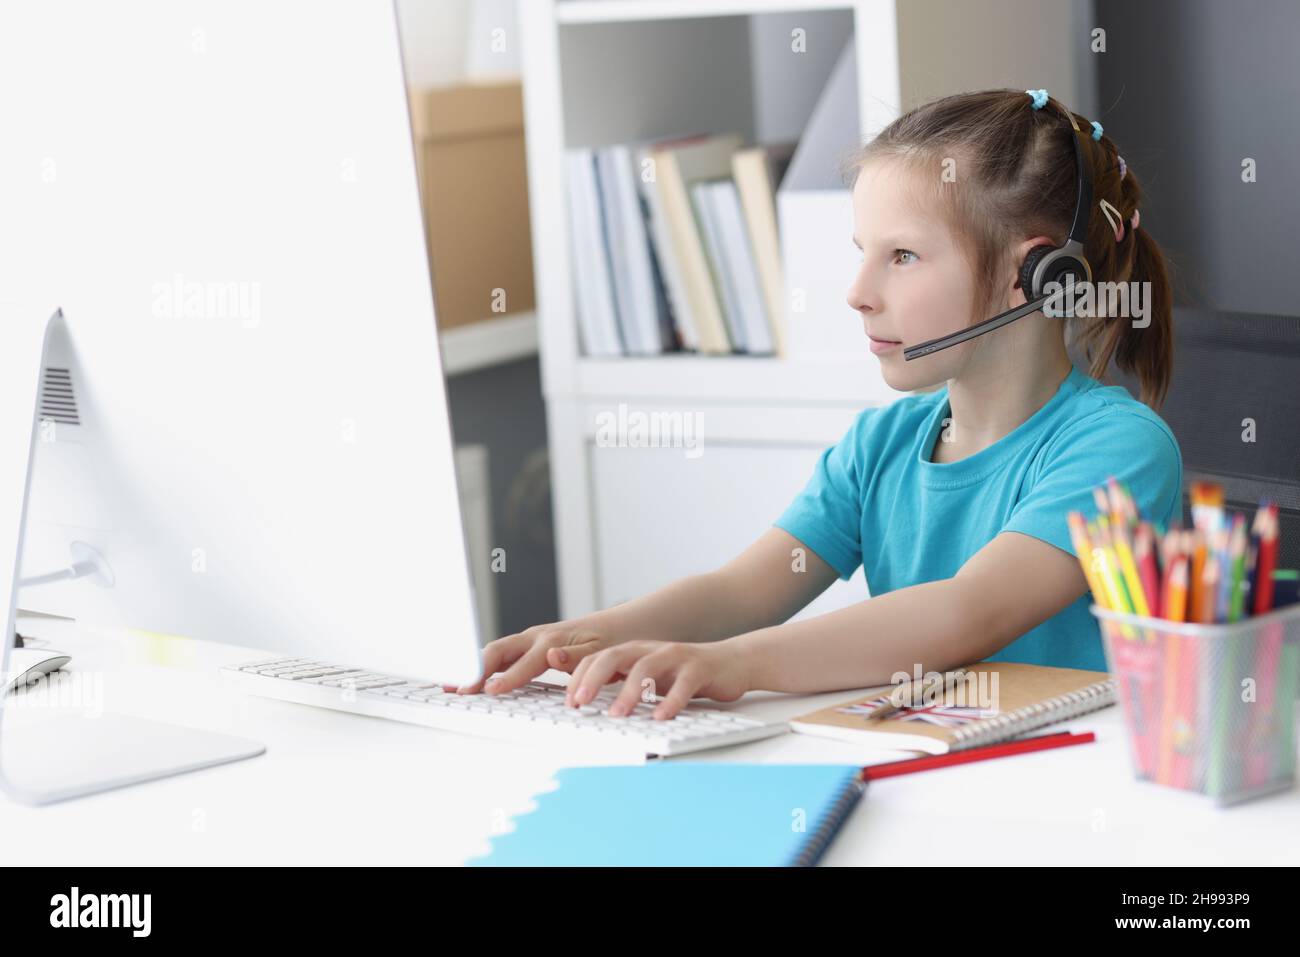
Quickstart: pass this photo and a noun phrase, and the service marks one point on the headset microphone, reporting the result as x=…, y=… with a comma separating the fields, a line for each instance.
x=1044, y=264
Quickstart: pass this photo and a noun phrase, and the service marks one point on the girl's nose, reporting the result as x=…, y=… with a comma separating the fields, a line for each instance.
x=861, y=298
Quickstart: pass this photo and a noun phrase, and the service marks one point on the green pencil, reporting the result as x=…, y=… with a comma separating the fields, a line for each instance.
x=1238, y=552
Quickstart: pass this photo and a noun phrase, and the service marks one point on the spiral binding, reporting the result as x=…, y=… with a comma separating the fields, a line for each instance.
x=815, y=846
x=1092, y=698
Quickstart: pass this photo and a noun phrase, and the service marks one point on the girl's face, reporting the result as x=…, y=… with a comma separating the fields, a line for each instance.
x=913, y=284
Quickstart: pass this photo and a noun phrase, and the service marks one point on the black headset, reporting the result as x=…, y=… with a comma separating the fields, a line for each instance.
x=1044, y=264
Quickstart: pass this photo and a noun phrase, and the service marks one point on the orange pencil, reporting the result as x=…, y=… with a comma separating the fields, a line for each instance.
x=1207, y=505
x=1170, y=551
x=1175, y=604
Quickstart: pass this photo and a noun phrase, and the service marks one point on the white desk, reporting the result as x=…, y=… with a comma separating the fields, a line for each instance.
x=336, y=788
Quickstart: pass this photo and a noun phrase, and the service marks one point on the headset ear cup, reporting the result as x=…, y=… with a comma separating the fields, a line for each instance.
x=1032, y=259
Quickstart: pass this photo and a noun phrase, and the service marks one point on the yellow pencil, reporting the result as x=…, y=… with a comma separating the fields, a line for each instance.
x=1128, y=567
x=1104, y=536
x=1103, y=565
x=1106, y=566
x=1083, y=550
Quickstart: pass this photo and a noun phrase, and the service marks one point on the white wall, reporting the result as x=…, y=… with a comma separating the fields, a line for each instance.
x=447, y=41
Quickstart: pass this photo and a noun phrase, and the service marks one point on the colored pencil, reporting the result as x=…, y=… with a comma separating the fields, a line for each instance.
x=1223, y=593
x=1238, y=556
x=1209, y=589
x=1267, y=559
x=1196, y=592
x=1107, y=568
x=1128, y=567
x=1083, y=551
x=1145, y=558
x=1176, y=607
x=928, y=762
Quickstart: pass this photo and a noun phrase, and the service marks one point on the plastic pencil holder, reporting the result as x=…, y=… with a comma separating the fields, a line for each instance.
x=1208, y=708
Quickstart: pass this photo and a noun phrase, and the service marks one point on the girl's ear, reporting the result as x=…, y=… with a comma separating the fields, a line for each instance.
x=1015, y=295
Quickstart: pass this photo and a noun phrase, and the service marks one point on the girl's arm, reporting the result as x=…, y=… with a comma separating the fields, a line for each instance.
x=764, y=585
x=1012, y=584
x=1006, y=588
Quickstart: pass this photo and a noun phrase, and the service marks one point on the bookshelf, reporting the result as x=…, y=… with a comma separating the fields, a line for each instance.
x=489, y=342
x=603, y=72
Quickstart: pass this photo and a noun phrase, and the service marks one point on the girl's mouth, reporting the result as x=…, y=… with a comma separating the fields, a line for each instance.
x=882, y=345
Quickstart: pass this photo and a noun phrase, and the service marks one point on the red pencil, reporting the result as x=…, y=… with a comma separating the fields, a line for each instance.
x=1144, y=556
x=1266, y=519
x=928, y=762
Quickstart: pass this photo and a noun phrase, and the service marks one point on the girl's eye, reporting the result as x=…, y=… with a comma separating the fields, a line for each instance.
x=905, y=252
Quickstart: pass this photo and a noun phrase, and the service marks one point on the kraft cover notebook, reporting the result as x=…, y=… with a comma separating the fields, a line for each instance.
x=682, y=813
x=998, y=701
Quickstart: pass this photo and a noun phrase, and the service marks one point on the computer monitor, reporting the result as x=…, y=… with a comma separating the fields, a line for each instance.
x=242, y=431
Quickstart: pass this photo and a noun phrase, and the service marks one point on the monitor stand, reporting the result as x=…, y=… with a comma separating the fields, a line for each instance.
x=50, y=757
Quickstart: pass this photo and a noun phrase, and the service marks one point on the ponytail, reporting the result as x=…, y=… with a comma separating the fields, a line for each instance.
x=1144, y=351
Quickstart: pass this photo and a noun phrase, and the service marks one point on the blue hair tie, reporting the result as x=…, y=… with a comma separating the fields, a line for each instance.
x=1096, y=130
x=1040, y=98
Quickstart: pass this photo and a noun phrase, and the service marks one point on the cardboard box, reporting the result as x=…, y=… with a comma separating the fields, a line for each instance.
x=469, y=143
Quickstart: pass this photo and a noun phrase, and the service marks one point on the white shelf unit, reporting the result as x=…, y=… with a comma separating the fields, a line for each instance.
x=489, y=343
x=599, y=72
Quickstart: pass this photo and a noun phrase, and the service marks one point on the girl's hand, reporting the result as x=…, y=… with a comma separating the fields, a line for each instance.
x=523, y=656
x=675, y=670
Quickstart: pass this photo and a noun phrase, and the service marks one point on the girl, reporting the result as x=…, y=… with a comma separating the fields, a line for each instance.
x=955, y=500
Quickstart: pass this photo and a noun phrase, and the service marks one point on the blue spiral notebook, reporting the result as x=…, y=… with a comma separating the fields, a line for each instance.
x=681, y=814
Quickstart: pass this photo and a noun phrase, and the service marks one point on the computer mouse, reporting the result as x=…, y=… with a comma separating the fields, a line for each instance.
x=28, y=665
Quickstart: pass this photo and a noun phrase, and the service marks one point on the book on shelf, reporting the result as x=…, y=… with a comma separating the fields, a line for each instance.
x=731, y=262
x=758, y=171
x=676, y=168
x=674, y=246
x=598, y=329
x=638, y=289
x=681, y=321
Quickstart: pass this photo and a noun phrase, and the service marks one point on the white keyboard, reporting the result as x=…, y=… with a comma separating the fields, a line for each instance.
x=535, y=713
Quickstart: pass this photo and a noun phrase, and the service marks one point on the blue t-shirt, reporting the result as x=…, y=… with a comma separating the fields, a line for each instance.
x=876, y=499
